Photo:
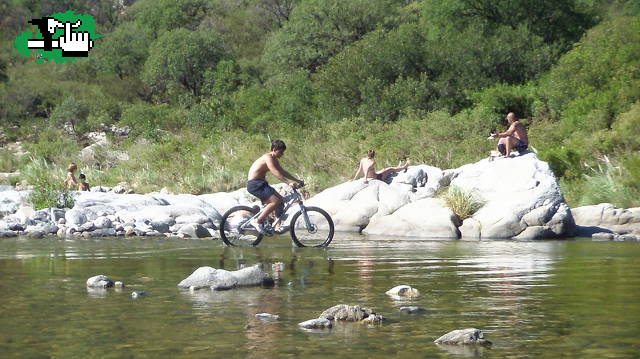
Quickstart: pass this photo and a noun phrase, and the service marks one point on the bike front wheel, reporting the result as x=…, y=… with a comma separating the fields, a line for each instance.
x=317, y=232
x=235, y=229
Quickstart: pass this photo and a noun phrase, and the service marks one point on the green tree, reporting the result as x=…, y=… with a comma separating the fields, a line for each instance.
x=357, y=79
x=159, y=16
x=318, y=29
x=123, y=51
x=178, y=60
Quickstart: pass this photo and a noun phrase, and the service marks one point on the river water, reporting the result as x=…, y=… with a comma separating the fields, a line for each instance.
x=543, y=299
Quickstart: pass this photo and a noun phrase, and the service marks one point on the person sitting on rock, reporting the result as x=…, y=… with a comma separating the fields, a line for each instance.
x=514, y=138
x=83, y=185
x=367, y=167
x=70, y=182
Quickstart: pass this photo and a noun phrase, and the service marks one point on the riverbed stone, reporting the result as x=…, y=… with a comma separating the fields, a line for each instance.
x=267, y=316
x=463, y=337
x=100, y=281
x=220, y=279
x=318, y=323
x=75, y=217
x=7, y=234
x=412, y=309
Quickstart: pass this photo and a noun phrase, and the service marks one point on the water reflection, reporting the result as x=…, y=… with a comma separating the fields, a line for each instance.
x=530, y=298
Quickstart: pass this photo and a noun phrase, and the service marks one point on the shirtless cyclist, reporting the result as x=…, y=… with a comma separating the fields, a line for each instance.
x=514, y=138
x=258, y=186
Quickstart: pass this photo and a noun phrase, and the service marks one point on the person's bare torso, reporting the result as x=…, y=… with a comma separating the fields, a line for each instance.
x=259, y=168
x=368, y=167
x=520, y=132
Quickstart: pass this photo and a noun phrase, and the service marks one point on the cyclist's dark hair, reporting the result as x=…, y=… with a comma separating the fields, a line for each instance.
x=82, y=176
x=278, y=145
x=371, y=153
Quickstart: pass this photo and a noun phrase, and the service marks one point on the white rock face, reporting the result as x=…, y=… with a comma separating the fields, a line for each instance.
x=606, y=217
x=403, y=290
x=520, y=193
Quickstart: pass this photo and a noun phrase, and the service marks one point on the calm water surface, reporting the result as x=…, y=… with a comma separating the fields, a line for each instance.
x=543, y=299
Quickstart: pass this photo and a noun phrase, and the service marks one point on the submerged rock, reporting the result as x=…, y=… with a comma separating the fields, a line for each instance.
x=318, y=323
x=267, y=316
x=220, y=279
x=463, y=336
x=412, y=310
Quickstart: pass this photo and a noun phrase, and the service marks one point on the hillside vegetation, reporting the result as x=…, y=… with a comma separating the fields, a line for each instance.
x=205, y=84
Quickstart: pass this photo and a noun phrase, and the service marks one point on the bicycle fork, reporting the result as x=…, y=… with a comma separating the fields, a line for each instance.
x=307, y=221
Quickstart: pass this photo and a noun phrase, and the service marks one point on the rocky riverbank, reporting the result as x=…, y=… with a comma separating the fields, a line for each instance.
x=520, y=198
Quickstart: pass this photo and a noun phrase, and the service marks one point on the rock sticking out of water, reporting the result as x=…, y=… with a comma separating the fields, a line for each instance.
x=137, y=294
x=463, y=336
x=318, y=323
x=403, y=290
x=351, y=313
x=220, y=279
x=99, y=281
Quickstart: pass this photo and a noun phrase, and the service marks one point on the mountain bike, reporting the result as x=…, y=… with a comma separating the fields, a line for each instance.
x=309, y=226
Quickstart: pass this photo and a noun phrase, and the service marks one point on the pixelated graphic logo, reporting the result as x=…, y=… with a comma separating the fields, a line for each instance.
x=61, y=37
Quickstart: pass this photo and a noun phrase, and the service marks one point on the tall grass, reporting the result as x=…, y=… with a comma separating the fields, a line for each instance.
x=48, y=190
x=606, y=183
x=463, y=203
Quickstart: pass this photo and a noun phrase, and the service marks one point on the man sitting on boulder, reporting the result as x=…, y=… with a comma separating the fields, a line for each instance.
x=514, y=138
x=368, y=167
x=258, y=186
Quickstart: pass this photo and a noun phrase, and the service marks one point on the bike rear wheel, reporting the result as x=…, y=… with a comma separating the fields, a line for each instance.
x=320, y=230
x=235, y=229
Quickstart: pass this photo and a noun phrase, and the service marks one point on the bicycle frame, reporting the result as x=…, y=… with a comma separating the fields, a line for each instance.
x=296, y=198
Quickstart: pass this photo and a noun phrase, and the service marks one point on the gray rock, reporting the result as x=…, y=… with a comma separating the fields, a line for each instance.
x=100, y=281
x=102, y=222
x=411, y=310
x=7, y=234
x=628, y=238
x=62, y=232
x=220, y=279
x=350, y=313
x=403, y=290
x=75, y=217
x=193, y=230
x=87, y=227
x=138, y=293
x=158, y=226
x=603, y=236
x=86, y=234
x=35, y=234
x=104, y=232
x=153, y=233
x=62, y=221
x=318, y=323
x=119, y=284
x=267, y=316
x=463, y=336
x=41, y=215
x=16, y=227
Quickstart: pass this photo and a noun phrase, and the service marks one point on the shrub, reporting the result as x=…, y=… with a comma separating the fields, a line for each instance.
x=463, y=203
x=48, y=190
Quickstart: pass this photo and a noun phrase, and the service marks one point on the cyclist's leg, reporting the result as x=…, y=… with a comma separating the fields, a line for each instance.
x=273, y=202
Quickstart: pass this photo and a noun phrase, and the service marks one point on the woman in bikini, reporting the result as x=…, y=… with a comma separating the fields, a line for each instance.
x=367, y=167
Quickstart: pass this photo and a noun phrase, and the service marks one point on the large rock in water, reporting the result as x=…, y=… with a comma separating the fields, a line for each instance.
x=220, y=279
x=522, y=199
x=605, y=217
x=463, y=337
x=521, y=195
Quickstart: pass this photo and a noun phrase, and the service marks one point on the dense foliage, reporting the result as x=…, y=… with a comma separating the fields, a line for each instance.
x=205, y=84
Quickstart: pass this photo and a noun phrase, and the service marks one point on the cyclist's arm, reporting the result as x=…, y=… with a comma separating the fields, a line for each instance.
x=274, y=166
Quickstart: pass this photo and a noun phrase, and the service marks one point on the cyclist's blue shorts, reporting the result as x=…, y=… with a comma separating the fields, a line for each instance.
x=260, y=189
